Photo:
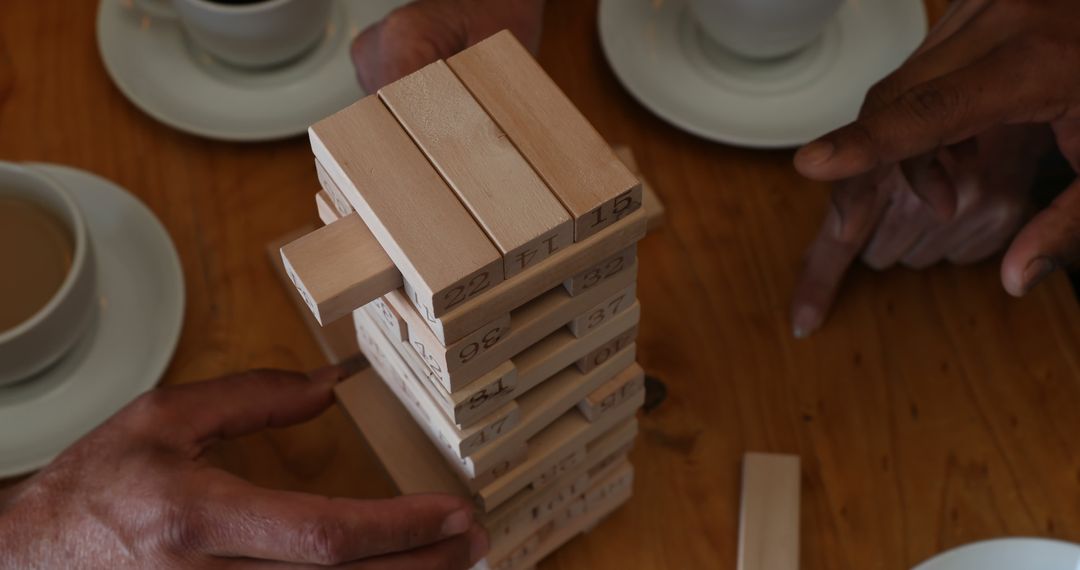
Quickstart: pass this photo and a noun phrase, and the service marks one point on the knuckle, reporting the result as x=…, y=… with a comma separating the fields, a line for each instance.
x=882, y=93
x=934, y=103
x=184, y=529
x=325, y=541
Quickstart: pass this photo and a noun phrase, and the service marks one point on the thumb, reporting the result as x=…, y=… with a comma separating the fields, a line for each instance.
x=1050, y=241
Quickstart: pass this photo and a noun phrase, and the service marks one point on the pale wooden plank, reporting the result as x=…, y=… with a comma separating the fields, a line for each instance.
x=443, y=256
x=650, y=200
x=335, y=272
x=593, y=275
x=612, y=393
x=769, y=519
x=528, y=324
x=606, y=350
x=324, y=206
x=585, y=323
x=341, y=204
x=549, y=131
x=522, y=217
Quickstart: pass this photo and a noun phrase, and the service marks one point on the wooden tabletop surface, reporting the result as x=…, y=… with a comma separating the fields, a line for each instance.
x=932, y=410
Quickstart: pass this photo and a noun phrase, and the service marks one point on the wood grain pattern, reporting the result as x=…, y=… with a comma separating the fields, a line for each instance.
x=517, y=210
x=931, y=411
x=334, y=272
x=567, y=152
x=769, y=512
x=441, y=252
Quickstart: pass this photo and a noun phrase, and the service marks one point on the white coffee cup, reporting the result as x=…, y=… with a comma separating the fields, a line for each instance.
x=48, y=334
x=763, y=29
x=261, y=33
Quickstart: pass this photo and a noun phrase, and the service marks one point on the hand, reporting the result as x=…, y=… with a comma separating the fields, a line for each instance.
x=134, y=493
x=987, y=63
x=425, y=31
x=881, y=217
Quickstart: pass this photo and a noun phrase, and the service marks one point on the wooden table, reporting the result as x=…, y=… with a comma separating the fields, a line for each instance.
x=931, y=411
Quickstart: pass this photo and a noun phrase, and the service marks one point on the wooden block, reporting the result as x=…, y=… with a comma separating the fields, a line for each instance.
x=324, y=207
x=650, y=201
x=585, y=323
x=335, y=272
x=338, y=200
x=535, y=506
x=612, y=393
x=552, y=446
x=606, y=350
x=443, y=256
x=528, y=325
x=560, y=144
x=769, y=519
x=548, y=401
x=551, y=537
x=602, y=270
x=527, y=369
x=462, y=442
x=521, y=216
x=389, y=320
x=337, y=340
x=615, y=484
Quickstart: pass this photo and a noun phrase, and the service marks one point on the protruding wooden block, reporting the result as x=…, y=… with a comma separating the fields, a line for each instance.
x=442, y=254
x=335, y=272
x=585, y=323
x=521, y=216
x=560, y=144
x=769, y=520
x=607, y=268
x=613, y=393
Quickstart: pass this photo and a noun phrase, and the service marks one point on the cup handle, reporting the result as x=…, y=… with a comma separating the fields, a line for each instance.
x=161, y=9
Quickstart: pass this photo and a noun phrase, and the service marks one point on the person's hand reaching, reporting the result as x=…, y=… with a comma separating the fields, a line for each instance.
x=425, y=31
x=986, y=64
x=135, y=493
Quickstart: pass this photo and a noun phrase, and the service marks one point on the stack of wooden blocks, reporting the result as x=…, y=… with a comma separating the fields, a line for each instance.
x=482, y=236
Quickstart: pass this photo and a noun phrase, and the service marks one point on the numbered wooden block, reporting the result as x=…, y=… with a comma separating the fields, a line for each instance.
x=334, y=272
x=443, y=255
x=612, y=393
x=650, y=201
x=389, y=320
x=769, y=515
x=605, y=351
x=522, y=217
x=462, y=442
x=532, y=507
x=603, y=270
x=324, y=207
x=551, y=446
x=603, y=311
x=560, y=144
x=614, y=485
x=338, y=200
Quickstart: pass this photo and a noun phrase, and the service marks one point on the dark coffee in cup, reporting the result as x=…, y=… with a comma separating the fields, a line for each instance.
x=36, y=250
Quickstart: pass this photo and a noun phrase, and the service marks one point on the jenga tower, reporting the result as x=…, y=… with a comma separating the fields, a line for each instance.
x=483, y=237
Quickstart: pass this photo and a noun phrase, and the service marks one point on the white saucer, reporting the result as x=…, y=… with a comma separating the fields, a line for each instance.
x=661, y=56
x=1008, y=554
x=156, y=67
x=128, y=347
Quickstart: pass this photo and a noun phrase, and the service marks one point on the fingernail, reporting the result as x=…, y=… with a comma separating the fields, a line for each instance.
x=804, y=321
x=816, y=153
x=1036, y=271
x=457, y=523
x=478, y=547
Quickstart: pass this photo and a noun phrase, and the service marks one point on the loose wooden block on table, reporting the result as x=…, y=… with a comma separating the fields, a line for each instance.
x=521, y=216
x=443, y=256
x=769, y=518
x=528, y=324
x=331, y=268
x=549, y=131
